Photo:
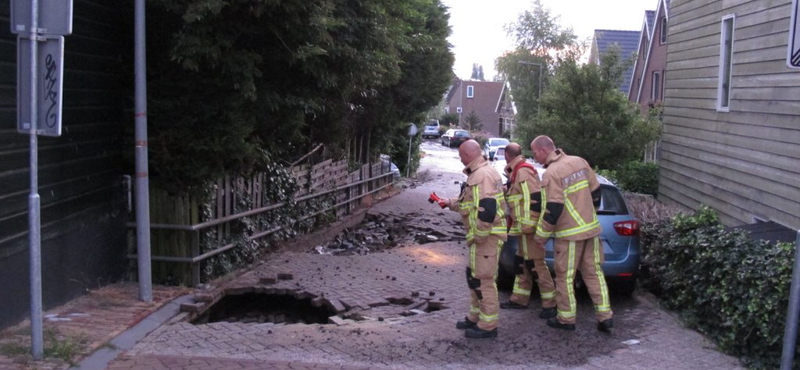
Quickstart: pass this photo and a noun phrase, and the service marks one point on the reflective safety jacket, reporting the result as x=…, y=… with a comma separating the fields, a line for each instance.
x=570, y=194
x=523, y=197
x=481, y=203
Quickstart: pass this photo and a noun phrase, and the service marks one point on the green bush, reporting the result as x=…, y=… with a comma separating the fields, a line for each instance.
x=480, y=138
x=634, y=176
x=725, y=285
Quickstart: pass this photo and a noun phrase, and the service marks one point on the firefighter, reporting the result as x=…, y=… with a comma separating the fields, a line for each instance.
x=481, y=205
x=570, y=194
x=524, y=202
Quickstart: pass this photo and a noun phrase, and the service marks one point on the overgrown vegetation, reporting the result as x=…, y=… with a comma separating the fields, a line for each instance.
x=635, y=177
x=229, y=80
x=725, y=285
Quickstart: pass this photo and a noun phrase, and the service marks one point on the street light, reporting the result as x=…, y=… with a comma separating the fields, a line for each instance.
x=539, y=96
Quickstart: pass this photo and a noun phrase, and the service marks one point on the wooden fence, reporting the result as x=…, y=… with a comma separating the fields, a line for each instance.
x=179, y=223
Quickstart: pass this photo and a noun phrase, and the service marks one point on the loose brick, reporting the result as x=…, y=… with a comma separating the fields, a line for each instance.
x=192, y=307
x=285, y=276
x=268, y=279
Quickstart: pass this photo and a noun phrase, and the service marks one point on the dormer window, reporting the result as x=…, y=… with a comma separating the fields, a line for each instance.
x=470, y=91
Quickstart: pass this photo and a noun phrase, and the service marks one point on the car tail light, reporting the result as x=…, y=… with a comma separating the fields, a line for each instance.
x=625, y=274
x=627, y=228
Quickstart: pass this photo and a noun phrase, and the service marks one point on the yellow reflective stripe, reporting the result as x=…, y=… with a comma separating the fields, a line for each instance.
x=570, y=281
x=475, y=310
x=526, y=203
x=488, y=318
x=606, y=304
x=566, y=314
x=573, y=212
x=524, y=247
x=576, y=186
x=472, y=249
x=499, y=230
x=466, y=204
x=548, y=295
x=576, y=230
x=522, y=292
x=540, y=231
x=481, y=232
x=513, y=198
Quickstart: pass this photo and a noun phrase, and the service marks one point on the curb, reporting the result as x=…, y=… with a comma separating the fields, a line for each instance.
x=100, y=358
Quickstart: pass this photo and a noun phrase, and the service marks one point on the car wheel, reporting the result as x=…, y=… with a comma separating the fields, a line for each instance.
x=624, y=288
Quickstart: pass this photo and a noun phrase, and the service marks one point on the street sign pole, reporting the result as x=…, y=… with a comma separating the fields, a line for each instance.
x=412, y=130
x=142, y=178
x=33, y=200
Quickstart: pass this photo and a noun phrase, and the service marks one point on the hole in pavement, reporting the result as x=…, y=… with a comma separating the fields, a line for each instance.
x=265, y=308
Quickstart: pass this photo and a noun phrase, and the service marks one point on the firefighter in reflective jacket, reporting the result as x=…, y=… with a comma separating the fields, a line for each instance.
x=570, y=194
x=481, y=205
x=524, y=202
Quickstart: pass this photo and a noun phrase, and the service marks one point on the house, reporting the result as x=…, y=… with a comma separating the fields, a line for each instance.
x=626, y=41
x=650, y=68
x=83, y=200
x=731, y=134
x=507, y=111
x=480, y=97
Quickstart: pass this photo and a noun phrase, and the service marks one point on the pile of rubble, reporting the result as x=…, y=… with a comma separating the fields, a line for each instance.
x=381, y=231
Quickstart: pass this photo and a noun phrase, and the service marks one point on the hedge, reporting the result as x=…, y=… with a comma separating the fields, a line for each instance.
x=733, y=289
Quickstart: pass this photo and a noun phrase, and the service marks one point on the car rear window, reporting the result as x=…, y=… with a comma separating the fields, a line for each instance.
x=462, y=133
x=495, y=142
x=612, y=202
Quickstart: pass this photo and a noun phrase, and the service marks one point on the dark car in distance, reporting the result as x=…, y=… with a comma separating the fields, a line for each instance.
x=455, y=137
x=619, y=240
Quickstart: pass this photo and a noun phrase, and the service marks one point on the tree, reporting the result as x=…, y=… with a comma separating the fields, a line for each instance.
x=473, y=121
x=584, y=112
x=448, y=119
x=539, y=39
x=477, y=72
x=278, y=77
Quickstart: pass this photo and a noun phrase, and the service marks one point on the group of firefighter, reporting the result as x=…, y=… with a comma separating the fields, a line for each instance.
x=562, y=205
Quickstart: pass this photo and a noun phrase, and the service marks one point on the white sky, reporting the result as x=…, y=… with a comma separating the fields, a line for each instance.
x=478, y=26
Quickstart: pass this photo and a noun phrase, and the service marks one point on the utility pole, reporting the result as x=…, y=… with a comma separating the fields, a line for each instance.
x=539, y=96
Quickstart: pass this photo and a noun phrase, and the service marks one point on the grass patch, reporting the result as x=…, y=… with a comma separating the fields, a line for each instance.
x=65, y=348
x=13, y=349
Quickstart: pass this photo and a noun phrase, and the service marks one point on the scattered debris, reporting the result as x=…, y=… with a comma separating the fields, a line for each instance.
x=630, y=342
x=382, y=231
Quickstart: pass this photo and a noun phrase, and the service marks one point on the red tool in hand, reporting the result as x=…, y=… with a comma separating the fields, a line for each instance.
x=435, y=198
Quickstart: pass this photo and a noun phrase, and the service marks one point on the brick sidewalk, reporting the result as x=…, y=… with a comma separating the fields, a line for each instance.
x=79, y=327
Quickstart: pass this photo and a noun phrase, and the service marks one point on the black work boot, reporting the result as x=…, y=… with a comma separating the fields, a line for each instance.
x=512, y=306
x=548, y=312
x=478, y=333
x=466, y=324
x=605, y=326
x=553, y=323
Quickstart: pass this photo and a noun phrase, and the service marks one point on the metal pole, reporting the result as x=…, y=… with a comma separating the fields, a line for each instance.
x=34, y=205
x=142, y=180
x=408, y=164
x=539, y=97
x=790, y=334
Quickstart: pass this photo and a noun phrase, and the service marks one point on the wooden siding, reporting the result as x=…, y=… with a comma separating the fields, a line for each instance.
x=82, y=200
x=743, y=163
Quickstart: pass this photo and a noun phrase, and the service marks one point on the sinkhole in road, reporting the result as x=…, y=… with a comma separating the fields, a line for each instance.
x=265, y=308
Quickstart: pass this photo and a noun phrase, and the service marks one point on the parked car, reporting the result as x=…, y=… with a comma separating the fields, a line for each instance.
x=431, y=130
x=455, y=137
x=492, y=144
x=619, y=239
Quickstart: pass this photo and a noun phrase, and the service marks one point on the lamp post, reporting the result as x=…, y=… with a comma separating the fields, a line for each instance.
x=539, y=96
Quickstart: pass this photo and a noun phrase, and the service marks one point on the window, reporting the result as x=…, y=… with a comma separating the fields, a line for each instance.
x=663, y=30
x=725, y=63
x=470, y=91
x=655, y=92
